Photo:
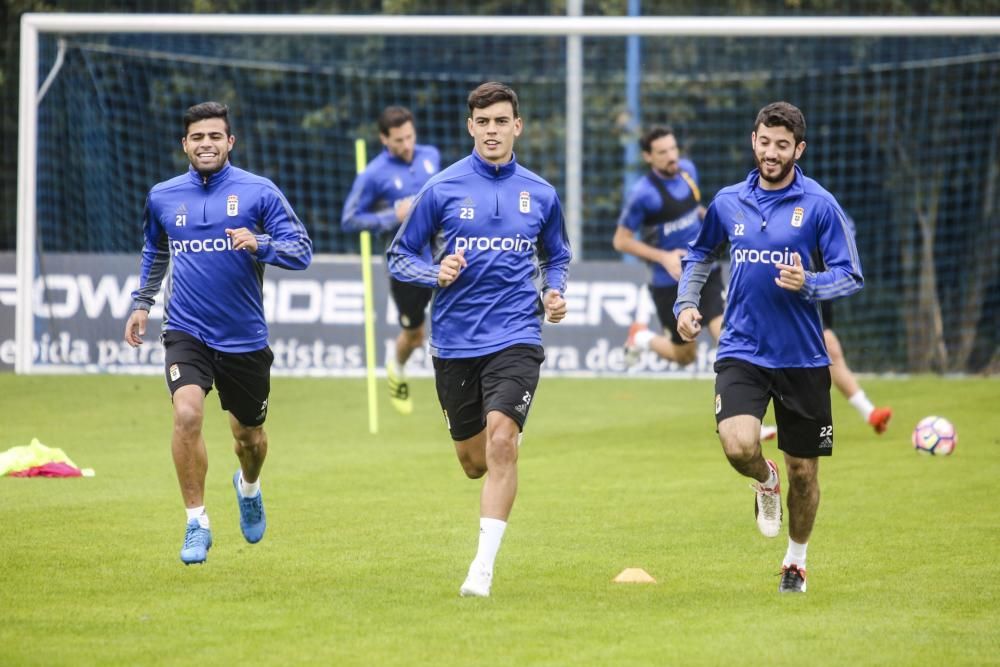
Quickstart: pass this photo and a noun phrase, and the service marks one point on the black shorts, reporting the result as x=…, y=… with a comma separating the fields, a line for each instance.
x=243, y=379
x=411, y=302
x=712, y=304
x=470, y=388
x=801, y=402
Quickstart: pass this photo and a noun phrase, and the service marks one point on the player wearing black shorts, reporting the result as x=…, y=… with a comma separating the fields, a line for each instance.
x=789, y=247
x=496, y=227
x=210, y=232
x=661, y=215
x=379, y=200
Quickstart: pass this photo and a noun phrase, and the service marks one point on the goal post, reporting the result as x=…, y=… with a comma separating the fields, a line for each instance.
x=584, y=205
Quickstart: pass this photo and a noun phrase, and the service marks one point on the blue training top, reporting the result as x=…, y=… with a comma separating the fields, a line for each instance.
x=509, y=222
x=213, y=292
x=765, y=324
x=386, y=180
x=665, y=213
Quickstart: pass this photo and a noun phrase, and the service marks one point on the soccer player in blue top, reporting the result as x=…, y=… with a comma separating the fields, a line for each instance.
x=790, y=248
x=665, y=209
x=209, y=233
x=379, y=200
x=490, y=221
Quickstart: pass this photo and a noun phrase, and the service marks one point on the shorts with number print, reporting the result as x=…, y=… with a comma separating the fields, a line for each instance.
x=801, y=402
x=504, y=381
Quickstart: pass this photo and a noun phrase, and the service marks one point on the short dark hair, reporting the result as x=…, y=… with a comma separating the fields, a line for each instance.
x=651, y=135
x=204, y=111
x=784, y=114
x=491, y=92
x=393, y=117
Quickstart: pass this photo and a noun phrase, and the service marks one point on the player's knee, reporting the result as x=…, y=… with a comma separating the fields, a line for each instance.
x=802, y=478
x=472, y=469
x=501, y=450
x=414, y=337
x=250, y=438
x=474, y=472
x=188, y=418
x=739, y=450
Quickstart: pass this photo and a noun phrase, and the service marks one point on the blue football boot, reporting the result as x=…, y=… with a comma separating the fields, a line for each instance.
x=252, y=519
x=197, y=542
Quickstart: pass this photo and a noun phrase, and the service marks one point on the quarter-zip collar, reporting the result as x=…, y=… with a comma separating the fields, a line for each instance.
x=211, y=179
x=795, y=188
x=490, y=170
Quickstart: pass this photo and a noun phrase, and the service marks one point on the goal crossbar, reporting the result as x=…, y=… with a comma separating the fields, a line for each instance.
x=585, y=26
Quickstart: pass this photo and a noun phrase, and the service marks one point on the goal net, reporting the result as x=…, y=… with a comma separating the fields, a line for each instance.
x=902, y=128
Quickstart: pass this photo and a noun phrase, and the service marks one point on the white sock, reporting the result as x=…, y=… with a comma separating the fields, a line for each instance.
x=796, y=554
x=198, y=513
x=490, y=534
x=248, y=490
x=862, y=404
x=642, y=338
x=397, y=368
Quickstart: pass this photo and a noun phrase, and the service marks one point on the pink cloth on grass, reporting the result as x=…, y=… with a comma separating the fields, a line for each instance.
x=49, y=470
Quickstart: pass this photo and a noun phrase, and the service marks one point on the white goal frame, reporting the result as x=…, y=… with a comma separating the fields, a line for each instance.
x=574, y=27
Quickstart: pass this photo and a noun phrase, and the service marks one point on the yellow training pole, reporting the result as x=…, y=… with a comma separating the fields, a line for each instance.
x=360, y=160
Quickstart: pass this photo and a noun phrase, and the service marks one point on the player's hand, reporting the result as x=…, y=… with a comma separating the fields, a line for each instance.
x=671, y=261
x=451, y=266
x=135, y=327
x=791, y=276
x=555, y=305
x=243, y=239
x=402, y=207
x=689, y=324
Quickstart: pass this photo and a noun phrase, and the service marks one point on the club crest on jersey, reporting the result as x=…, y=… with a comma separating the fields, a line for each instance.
x=524, y=202
x=398, y=183
x=232, y=206
x=428, y=166
x=797, y=215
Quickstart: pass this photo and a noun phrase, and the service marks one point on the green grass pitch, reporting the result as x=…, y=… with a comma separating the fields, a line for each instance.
x=369, y=537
